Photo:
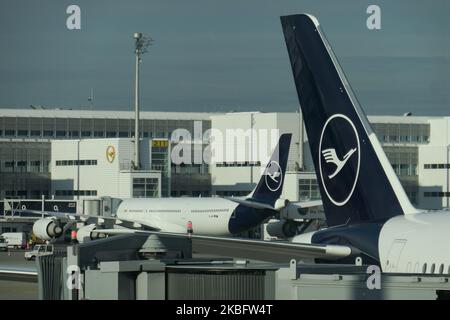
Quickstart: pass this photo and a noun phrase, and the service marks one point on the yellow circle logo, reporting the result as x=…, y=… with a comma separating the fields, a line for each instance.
x=110, y=154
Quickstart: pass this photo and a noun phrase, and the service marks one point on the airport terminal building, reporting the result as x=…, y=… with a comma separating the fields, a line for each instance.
x=26, y=138
x=66, y=154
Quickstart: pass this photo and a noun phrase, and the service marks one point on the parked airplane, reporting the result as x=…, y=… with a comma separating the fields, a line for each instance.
x=208, y=216
x=215, y=216
x=366, y=208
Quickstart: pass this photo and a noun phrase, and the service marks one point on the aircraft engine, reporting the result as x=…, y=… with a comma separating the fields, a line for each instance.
x=47, y=229
x=85, y=233
x=281, y=203
x=282, y=229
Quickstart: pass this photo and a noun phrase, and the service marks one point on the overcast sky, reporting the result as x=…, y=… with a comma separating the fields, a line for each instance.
x=216, y=55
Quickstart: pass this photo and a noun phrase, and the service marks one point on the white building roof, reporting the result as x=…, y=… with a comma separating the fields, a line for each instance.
x=170, y=115
x=102, y=114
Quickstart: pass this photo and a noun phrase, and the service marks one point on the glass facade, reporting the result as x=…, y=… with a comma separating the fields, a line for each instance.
x=25, y=149
x=71, y=193
x=161, y=162
x=413, y=133
x=404, y=160
x=145, y=187
x=24, y=169
x=308, y=189
x=75, y=128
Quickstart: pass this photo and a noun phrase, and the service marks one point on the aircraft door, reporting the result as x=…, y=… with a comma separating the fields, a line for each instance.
x=394, y=254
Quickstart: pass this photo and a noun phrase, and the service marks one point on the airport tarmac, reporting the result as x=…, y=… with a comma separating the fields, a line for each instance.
x=12, y=289
x=16, y=260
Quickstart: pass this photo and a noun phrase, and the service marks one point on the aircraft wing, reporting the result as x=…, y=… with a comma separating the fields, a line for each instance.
x=297, y=250
x=307, y=204
x=259, y=205
x=38, y=213
x=99, y=220
x=250, y=204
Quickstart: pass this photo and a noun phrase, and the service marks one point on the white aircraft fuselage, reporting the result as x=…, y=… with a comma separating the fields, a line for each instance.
x=214, y=216
x=416, y=243
x=209, y=216
x=412, y=243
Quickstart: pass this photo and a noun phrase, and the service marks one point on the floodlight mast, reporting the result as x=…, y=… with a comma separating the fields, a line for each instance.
x=141, y=47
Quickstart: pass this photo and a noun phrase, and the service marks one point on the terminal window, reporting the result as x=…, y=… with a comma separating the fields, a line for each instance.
x=98, y=134
x=436, y=166
x=145, y=187
x=308, y=189
x=239, y=164
x=436, y=194
x=60, y=133
x=74, y=134
x=85, y=134
x=75, y=193
x=10, y=133
x=404, y=133
x=48, y=133
x=111, y=134
x=21, y=166
x=9, y=164
x=76, y=163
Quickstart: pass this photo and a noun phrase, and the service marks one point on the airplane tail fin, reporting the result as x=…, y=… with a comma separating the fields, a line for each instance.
x=270, y=185
x=356, y=180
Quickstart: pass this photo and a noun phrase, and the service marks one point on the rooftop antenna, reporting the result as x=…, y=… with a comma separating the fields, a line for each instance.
x=141, y=46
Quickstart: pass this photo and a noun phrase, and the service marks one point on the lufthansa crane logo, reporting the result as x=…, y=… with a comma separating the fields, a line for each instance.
x=339, y=158
x=273, y=176
x=110, y=154
x=331, y=157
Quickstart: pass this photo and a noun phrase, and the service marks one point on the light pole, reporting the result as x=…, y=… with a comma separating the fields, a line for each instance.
x=141, y=46
x=252, y=123
x=447, y=168
x=91, y=99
